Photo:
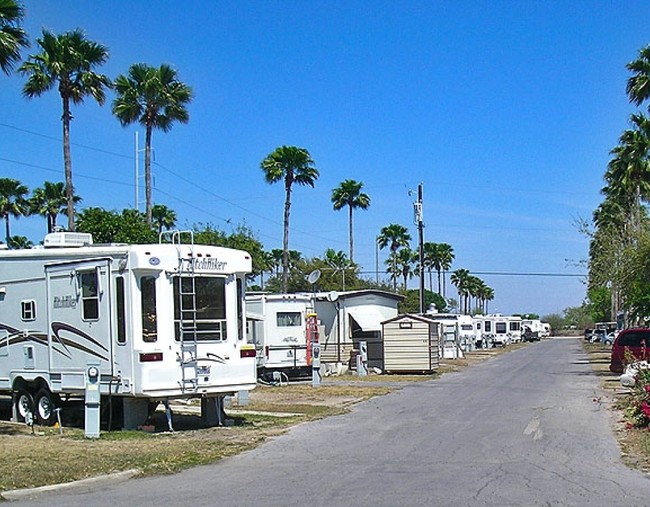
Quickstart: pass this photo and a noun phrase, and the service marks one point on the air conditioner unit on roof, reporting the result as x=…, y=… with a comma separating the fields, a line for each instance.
x=67, y=239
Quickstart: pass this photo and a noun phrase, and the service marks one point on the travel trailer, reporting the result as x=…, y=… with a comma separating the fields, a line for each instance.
x=159, y=321
x=498, y=330
x=277, y=325
x=533, y=329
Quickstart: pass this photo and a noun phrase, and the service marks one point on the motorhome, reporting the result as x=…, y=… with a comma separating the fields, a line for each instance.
x=533, y=329
x=498, y=330
x=277, y=326
x=159, y=321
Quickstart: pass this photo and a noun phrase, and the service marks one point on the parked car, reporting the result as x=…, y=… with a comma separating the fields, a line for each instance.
x=636, y=341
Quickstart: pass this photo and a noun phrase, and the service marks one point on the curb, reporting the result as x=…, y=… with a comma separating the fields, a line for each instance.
x=19, y=494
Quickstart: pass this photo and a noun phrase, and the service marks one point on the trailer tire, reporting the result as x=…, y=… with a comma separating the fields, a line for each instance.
x=24, y=405
x=45, y=407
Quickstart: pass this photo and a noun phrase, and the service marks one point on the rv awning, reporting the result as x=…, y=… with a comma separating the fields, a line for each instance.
x=368, y=319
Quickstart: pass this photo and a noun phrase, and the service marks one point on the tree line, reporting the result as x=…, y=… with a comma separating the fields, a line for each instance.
x=154, y=97
x=619, y=232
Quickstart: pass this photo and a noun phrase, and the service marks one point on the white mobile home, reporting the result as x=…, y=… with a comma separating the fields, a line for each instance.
x=353, y=316
x=160, y=321
x=278, y=328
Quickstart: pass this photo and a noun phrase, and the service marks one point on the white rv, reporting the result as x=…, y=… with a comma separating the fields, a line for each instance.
x=497, y=330
x=514, y=328
x=278, y=328
x=532, y=329
x=160, y=321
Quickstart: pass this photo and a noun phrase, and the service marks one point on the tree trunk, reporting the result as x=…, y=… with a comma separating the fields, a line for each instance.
x=351, y=237
x=7, y=233
x=67, y=161
x=147, y=172
x=285, y=238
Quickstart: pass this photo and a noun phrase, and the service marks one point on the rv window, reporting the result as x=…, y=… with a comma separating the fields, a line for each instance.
x=488, y=326
x=288, y=319
x=466, y=327
x=28, y=310
x=515, y=326
x=240, y=309
x=120, y=309
x=89, y=296
x=202, y=303
x=149, y=317
x=500, y=327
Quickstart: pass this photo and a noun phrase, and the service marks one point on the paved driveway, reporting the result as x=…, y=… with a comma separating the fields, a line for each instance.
x=523, y=429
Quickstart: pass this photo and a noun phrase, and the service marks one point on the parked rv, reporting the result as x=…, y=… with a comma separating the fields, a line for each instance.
x=278, y=328
x=533, y=329
x=159, y=321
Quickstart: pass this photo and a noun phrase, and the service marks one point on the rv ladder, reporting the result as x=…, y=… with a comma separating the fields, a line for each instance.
x=187, y=323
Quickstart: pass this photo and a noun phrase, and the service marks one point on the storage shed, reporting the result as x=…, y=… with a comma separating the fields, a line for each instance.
x=411, y=344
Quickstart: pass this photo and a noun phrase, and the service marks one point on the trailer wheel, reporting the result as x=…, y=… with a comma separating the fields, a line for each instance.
x=45, y=408
x=24, y=405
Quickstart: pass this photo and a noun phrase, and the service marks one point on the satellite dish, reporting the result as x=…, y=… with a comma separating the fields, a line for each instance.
x=332, y=296
x=313, y=276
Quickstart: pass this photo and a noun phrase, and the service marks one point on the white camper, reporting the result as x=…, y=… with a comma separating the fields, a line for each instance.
x=279, y=330
x=495, y=330
x=532, y=329
x=160, y=321
x=514, y=328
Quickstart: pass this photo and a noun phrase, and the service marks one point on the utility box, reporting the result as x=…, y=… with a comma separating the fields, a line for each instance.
x=411, y=344
x=92, y=400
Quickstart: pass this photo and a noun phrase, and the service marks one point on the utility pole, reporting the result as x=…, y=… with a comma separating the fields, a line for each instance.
x=419, y=221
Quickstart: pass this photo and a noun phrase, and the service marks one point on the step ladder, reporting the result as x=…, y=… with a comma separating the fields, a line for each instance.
x=187, y=311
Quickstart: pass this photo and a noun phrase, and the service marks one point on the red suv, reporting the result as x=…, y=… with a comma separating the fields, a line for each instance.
x=637, y=341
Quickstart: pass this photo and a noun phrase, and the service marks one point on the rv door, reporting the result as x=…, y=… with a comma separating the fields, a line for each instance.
x=79, y=320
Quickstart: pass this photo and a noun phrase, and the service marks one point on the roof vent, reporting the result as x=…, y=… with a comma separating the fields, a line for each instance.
x=67, y=239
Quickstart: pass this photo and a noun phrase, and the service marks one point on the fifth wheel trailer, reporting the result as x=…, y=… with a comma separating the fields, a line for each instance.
x=161, y=321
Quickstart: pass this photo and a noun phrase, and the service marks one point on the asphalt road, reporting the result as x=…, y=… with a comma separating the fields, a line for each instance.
x=520, y=429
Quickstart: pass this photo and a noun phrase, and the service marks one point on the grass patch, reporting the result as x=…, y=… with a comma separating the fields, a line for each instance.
x=46, y=457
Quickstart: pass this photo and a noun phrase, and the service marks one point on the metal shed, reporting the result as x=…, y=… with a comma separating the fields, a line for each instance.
x=411, y=344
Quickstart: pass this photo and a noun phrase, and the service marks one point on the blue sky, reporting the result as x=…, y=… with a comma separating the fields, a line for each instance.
x=504, y=110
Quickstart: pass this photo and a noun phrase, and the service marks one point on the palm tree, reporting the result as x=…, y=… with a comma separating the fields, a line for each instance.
x=19, y=243
x=338, y=261
x=12, y=36
x=13, y=202
x=349, y=194
x=163, y=217
x=277, y=254
x=445, y=258
x=50, y=201
x=430, y=253
x=155, y=98
x=460, y=279
x=393, y=236
x=405, y=262
x=291, y=165
x=67, y=62
x=628, y=173
x=488, y=295
x=638, y=85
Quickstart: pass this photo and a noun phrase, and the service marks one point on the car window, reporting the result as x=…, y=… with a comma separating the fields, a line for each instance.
x=634, y=339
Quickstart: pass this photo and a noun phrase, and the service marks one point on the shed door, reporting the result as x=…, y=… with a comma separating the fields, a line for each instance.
x=79, y=318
